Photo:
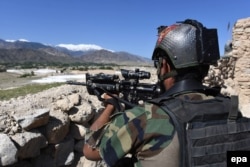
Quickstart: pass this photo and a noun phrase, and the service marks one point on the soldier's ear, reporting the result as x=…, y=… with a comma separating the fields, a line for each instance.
x=166, y=65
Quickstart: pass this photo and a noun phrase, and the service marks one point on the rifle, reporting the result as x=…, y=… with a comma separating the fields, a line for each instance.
x=130, y=91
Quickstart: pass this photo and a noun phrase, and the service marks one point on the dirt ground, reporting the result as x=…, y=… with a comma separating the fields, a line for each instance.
x=12, y=80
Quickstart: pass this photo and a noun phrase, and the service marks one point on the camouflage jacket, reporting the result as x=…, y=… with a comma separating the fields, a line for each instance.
x=143, y=131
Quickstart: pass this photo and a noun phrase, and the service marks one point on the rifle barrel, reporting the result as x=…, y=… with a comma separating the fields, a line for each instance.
x=76, y=83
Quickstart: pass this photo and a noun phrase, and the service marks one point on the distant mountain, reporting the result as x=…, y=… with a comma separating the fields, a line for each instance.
x=24, y=51
x=74, y=53
x=124, y=58
x=35, y=46
x=31, y=55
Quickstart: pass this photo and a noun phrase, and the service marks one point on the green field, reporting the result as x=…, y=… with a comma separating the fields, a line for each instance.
x=24, y=90
x=13, y=85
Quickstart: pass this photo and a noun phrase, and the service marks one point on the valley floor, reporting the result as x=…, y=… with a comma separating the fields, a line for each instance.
x=12, y=80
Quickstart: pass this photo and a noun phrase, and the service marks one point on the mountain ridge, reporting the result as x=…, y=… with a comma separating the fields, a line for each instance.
x=24, y=51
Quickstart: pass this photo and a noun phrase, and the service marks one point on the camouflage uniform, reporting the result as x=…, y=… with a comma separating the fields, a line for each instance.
x=145, y=132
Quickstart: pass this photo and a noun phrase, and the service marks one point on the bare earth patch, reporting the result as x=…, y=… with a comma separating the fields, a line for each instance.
x=12, y=80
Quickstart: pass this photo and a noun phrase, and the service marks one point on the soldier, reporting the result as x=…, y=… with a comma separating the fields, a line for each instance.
x=146, y=136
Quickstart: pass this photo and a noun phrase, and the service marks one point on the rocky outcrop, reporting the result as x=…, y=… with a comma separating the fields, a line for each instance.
x=222, y=75
x=46, y=129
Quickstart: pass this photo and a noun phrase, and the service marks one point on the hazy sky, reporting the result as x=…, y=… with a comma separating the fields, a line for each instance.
x=119, y=25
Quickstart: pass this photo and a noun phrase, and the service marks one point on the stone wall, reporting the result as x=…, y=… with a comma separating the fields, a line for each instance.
x=47, y=129
x=241, y=51
x=233, y=70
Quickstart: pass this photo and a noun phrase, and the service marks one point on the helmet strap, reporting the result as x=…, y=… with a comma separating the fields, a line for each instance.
x=168, y=75
x=161, y=78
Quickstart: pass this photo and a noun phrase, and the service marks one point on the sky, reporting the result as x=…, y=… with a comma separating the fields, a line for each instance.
x=117, y=25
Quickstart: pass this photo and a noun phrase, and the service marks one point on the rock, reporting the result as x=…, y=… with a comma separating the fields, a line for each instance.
x=29, y=144
x=77, y=131
x=64, y=154
x=83, y=113
x=32, y=119
x=64, y=104
x=3, y=121
x=46, y=158
x=89, y=163
x=74, y=99
x=79, y=146
x=68, y=102
x=79, y=160
x=8, y=151
x=57, y=127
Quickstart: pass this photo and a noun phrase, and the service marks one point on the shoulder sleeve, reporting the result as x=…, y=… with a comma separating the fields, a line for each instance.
x=142, y=129
x=118, y=138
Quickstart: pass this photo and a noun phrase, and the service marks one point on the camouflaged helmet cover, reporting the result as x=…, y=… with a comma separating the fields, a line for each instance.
x=179, y=41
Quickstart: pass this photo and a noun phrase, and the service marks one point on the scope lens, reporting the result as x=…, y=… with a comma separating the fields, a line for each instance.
x=135, y=74
x=144, y=75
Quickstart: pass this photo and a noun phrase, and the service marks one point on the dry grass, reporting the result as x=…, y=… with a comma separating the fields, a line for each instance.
x=24, y=90
x=13, y=80
x=12, y=85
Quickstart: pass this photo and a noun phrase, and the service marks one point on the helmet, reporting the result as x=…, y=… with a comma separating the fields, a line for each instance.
x=187, y=44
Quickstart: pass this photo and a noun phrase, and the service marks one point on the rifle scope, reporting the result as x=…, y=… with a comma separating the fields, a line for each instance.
x=137, y=74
